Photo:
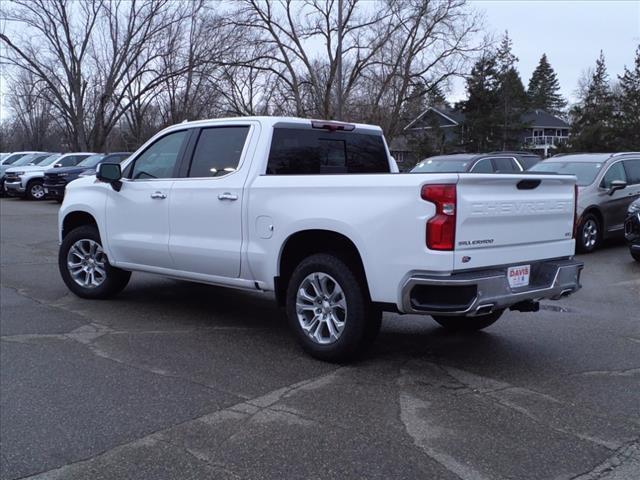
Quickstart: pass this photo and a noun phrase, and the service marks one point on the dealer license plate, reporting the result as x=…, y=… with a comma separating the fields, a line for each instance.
x=518, y=276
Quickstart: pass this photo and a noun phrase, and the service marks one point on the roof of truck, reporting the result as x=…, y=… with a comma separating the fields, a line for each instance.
x=272, y=121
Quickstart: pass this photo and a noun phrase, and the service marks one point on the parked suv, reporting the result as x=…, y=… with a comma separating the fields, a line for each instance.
x=607, y=184
x=632, y=229
x=493, y=162
x=56, y=179
x=27, y=181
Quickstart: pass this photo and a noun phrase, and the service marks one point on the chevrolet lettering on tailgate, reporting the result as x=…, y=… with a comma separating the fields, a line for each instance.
x=520, y=208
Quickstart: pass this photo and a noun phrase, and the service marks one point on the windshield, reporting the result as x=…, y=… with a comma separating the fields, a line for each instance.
x=91, y=161
x=38, y=159
x=26, y=160
x=433, y=165
x=13, y=158
x=585, y=171
x=50, y=160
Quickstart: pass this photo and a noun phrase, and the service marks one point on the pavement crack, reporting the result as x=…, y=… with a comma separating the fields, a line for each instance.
x=625, y=460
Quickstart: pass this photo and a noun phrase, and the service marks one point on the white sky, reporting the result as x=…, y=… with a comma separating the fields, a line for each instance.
x=571, y=33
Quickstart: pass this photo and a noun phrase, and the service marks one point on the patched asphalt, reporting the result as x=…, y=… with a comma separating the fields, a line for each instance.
x=175, y=380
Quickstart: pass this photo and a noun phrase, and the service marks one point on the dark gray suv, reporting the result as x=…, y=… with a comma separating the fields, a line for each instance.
x=607, y=184
x=493, y=162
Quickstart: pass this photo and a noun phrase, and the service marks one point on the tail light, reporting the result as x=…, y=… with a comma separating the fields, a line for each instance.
x=441, y=228
x=575, y=210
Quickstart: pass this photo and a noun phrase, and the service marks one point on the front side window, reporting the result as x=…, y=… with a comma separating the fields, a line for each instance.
x=632, y=167
x=615, y=172
x=159, y=160
x=483, y=166
x=296, y=151
x=218, y=151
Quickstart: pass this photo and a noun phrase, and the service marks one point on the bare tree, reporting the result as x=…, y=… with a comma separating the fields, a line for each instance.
x=87, y=52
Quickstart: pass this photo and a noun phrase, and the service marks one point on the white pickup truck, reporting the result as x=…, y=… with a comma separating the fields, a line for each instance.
x=317, y=213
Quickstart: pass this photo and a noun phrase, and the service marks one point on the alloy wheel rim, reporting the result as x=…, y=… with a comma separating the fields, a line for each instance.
x=86, y=262
x=321, y=308
x=37, y=191
x=590, y=233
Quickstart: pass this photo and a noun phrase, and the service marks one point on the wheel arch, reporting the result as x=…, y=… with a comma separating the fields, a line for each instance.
x=75, y=219
x=304, y=243
x=595, y=210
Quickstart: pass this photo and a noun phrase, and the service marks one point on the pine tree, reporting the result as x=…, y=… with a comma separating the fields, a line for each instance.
x=481, y=107
x=592, y=128
x=544, y=89
x=505, y=59
x=512, y=97
x=627, y=123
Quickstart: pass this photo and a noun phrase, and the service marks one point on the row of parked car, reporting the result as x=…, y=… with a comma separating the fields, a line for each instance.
x=608, y=187
x=45, y=175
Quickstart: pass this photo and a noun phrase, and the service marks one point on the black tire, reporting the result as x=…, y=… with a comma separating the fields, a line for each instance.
x=115, y=279
x=468, y=324
x=635, y=255
x=361, y=322
x=34, y=190
x=585, y=242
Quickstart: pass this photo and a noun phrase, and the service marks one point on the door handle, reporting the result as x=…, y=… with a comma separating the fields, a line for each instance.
x=159, y=195
x=227, y=196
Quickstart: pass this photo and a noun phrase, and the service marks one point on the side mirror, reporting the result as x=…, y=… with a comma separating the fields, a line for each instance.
x=57, y=165
x=110, y=173
x=616, y=185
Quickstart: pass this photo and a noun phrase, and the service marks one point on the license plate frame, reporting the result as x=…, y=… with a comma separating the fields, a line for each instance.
x=519, y=276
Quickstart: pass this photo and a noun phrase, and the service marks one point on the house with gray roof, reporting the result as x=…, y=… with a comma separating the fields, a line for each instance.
x=544, y=132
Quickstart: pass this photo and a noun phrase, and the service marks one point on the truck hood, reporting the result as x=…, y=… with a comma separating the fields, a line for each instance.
x=68, y=170
x=27, y=168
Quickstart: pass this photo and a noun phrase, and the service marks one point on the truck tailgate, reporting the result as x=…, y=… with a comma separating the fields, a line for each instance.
x=510, y=219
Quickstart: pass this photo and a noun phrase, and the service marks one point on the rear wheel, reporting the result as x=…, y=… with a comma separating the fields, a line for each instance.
x=468, y=324
x=635, y=255
x=329, y=309
x=35, y=190
x=589, y=234
x=85, y=267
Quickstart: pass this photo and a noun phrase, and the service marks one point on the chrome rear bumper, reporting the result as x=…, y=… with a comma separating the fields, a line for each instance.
x=482, y=291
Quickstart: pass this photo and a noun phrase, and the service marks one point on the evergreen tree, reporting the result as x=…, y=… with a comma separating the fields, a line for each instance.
x=481, y=107
x=505, y=59
x=592, y=128
x=544, y=89
x=627, y=123
x=512, y=98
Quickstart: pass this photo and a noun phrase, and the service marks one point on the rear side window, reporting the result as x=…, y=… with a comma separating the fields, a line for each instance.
x=528, y=162
x=632, y=167
x=483, y=166
x=218, y=151
x=312, y=152
x=504, y=165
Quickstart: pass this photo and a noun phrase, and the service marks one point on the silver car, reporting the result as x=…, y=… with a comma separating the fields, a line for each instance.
x=607, y=184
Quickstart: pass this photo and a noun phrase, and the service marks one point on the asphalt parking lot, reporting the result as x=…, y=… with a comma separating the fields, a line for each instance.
x=174, y=380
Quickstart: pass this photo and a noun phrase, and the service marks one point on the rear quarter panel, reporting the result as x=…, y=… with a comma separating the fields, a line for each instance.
x=382, y=214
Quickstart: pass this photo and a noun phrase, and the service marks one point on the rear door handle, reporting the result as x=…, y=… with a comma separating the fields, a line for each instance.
x=159, y=195
x=227, y=196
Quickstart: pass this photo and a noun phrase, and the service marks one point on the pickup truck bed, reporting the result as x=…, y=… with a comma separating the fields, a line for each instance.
x=317, y=213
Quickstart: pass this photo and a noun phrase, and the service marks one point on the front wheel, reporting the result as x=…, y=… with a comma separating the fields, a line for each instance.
x=329, y=310
x=635, y=255
x=85, y=267
x=468, y=324
x=35, y=190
